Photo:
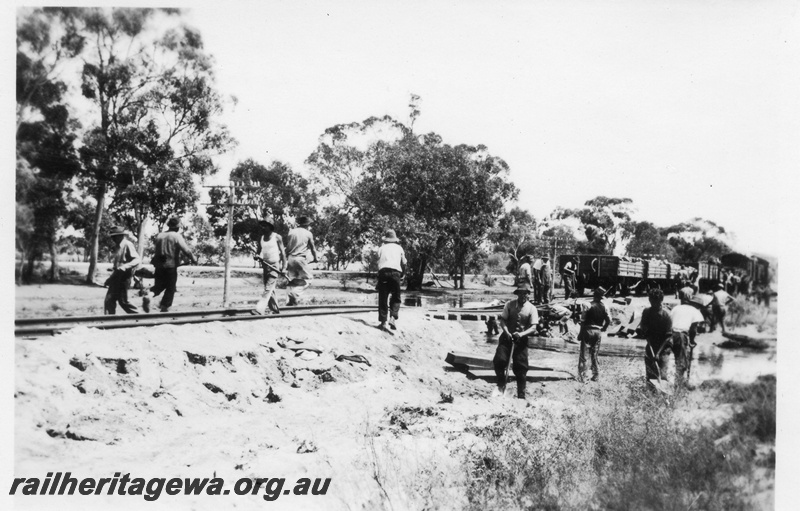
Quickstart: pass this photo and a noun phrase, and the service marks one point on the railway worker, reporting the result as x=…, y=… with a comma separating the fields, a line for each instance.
x=568, y=276
x=537, y=280
x=559, y=315
x=656, y=326
x=517, y=321
x=595, y=322
x=685, y=319
x=126, y=259
x=686, y=292
x=391, y=265
x=525, y=272
x=300, y=253
x=719, y=307
x=273, y=257
x=169, y=246
x=546, y=279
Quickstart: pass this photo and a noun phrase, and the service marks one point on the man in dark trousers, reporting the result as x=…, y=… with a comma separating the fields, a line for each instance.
x=656, y=326
x=126, y=259
x=169, y=247
x=391, y=265
x=517, y=322
x=546, y=279
x=568, y=276
x=594, y=323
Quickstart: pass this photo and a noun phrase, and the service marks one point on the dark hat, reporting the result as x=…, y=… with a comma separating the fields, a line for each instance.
x=267, y=222
x=523, y=288
x=600, y=291
x=303, y=221
x=173, y=222
x=574, y=258
x=117, y=230
x=390, y=237
x=545, y=257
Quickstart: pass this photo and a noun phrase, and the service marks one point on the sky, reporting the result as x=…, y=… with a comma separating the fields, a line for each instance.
x=688, y=108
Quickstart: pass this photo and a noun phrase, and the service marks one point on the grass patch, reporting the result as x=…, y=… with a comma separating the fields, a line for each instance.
x=631, y=452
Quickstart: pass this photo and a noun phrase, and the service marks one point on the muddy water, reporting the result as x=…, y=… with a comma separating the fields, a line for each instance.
x=709, y=361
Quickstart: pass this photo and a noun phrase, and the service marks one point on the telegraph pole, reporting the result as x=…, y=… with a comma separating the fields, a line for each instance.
x=232, y=187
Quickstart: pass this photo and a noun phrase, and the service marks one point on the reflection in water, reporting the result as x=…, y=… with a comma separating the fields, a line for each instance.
x=710, y=361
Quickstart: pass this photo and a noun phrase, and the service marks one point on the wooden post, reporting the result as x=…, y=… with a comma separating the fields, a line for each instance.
x=228, y=238
x=553, y=268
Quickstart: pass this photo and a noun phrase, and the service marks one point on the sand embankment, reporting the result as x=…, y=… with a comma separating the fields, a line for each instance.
x=237, y=400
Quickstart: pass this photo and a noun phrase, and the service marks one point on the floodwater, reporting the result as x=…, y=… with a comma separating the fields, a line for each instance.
x=710, y=362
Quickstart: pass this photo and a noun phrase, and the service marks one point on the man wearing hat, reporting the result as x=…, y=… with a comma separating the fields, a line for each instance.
x=656, y=327
x=300, y=253
x=685, y=319
x=125, y=260
x=525, y=272
x=719, y=307
x=391, y=264
x=595, y=321
x=517, y=322
x=169, y=246
x=536, y=269
x=273, y=257
x=568, y=276
x=545, y=279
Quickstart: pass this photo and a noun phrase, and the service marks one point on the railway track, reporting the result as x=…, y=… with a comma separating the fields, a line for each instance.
x=38, y=327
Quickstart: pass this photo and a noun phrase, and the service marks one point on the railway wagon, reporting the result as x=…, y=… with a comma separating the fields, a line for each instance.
x=626, y=275
x=616, y=274
x=756, y=268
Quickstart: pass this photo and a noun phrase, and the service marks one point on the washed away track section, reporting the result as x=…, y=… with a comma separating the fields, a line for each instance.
x=39, y=327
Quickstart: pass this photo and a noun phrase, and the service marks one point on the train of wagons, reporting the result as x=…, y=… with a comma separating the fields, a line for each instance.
x=630, y=275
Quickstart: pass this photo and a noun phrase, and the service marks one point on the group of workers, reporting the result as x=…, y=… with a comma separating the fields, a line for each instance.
x=538, y=275
x=292, y=259
x=666, y=333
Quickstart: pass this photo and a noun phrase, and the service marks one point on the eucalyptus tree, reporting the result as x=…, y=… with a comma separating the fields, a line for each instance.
x=436, y=196
x=151, y=94
x=45, y=133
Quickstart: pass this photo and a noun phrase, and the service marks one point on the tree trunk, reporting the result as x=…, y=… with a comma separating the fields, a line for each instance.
x=30, y=264
x=55, y=273
x=462, y=271
x=416, y=273
x=100, y=197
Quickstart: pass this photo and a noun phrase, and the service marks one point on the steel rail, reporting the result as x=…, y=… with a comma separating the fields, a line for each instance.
x=38, y=326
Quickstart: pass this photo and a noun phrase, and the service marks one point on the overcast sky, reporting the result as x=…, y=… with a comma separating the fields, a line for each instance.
x=689, y=108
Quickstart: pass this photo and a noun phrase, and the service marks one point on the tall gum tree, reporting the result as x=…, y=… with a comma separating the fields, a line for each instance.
x=45, y=135
x=150, y=86
x=436, y=196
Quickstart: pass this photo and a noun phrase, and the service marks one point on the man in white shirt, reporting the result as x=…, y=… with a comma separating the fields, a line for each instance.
x=517, y=322
x=126, y=259
x=273, y=260
x=568, y=276
x=537, y=280
x=685, y=319
x=391, y=265
x=299, y=250
x=525, y=273
x=719, y=307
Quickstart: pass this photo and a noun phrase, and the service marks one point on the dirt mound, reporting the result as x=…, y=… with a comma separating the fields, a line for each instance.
x=271, y=398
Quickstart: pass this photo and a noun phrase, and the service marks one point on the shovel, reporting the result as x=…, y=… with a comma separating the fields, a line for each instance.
x=292, y=283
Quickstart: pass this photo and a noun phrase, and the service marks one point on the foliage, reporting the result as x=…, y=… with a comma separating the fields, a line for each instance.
x=275, y=192
x=647, y=240
x=702, y=249
x=439, y=198
x=152, y=94
x=45, y=133
x=199, y=235
x=339, y=238
x=636, y=455
x=514, y=233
